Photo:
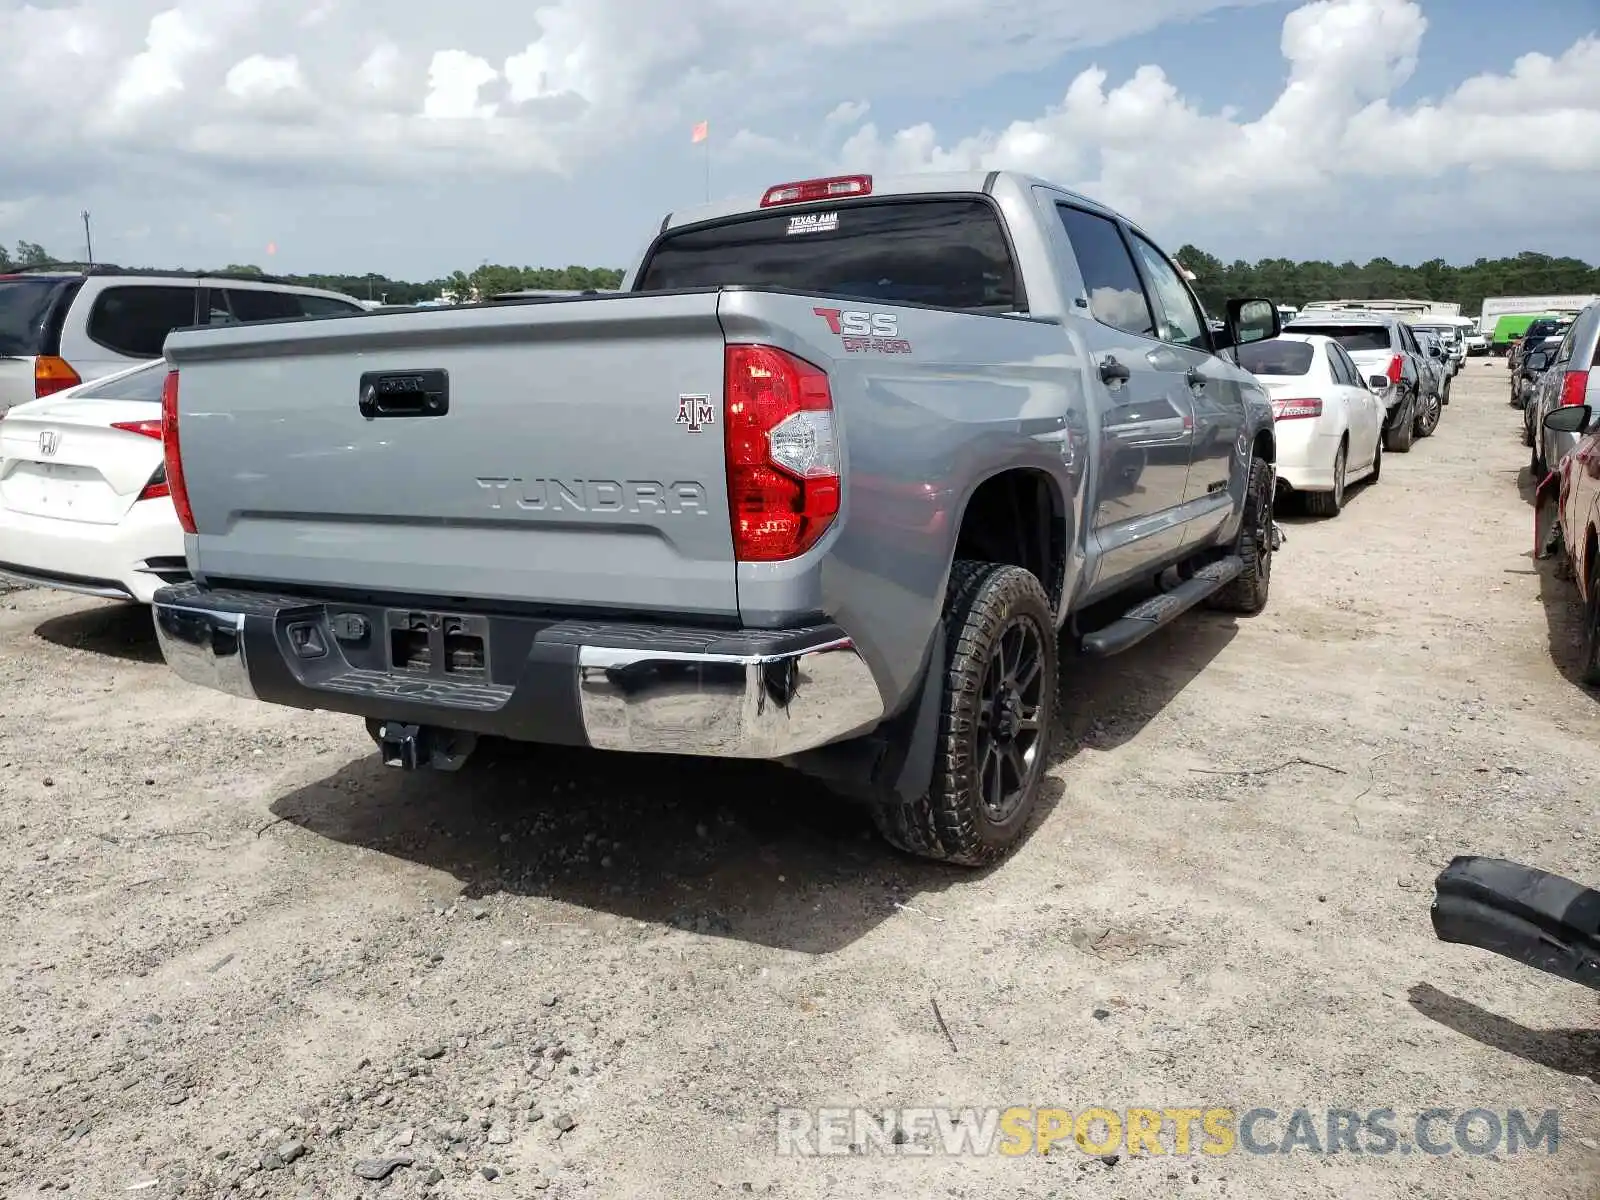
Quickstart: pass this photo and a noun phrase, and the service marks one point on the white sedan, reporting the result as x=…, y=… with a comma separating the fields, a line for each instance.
x=1329, y=423
x=84, y=504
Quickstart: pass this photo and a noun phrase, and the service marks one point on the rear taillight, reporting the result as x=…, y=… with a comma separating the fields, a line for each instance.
x=1573, y=385
x=783, y=453
x=1291, y=410
x=149, y=429
x=157, y=487
x=173, y=460
x=1397, y=368
x=52, y=375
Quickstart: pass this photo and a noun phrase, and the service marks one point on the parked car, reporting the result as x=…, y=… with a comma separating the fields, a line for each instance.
x=1572, y=377
x=823, y=485
x=84, y=504
x=1570, y=494
x=1526, y=381
x=1539, y=331
x=62, y=326
x=1437, y=363
x=1329, y=422
x=1453, y=341
x=1391, y=362
x=1476, y=343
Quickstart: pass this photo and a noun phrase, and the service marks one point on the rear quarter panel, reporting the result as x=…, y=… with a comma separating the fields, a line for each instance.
x=926, y=416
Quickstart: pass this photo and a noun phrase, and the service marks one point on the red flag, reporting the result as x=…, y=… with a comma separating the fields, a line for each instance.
x=700, y=132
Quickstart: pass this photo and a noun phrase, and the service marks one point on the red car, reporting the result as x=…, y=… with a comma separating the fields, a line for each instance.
x=1567, y=517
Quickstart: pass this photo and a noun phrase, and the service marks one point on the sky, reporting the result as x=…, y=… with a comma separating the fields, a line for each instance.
x=415, y=138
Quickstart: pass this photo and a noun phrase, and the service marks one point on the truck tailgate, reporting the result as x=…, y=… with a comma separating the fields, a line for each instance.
x=556, y=472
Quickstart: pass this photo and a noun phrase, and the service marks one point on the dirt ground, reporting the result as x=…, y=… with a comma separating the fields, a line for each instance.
x=230, y=938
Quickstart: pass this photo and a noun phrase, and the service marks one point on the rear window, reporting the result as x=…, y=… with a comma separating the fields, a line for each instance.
x=1541, y=329
x=144, y=384
x=946, y=253
x=1277, y=357
x=135, y=320
x=1354, y=338
x=27, y=311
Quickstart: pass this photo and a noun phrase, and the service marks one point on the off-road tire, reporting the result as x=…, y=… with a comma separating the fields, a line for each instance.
x=1397, y=439
x=1331, y=503
x=1247, y=595
x=950, y=824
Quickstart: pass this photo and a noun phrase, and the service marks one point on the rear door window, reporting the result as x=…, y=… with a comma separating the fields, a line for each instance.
x=944, y=253
x=1344, y=367
x=1277, y=357
x=134, y=320
x=326, y=306
x=30, y=313
x=249, y=304
x=1116, y=294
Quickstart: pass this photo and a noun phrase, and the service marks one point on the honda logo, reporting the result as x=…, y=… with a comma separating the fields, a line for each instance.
x=49, y=441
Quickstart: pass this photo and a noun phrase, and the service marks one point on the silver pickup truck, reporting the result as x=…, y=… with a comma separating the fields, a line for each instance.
x=823, y=483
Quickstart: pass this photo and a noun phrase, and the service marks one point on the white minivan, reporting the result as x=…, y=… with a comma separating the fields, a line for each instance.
x=62, y=326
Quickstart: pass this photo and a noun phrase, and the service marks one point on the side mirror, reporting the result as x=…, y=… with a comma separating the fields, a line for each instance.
x=1252, y=320
x=1378, y=383
x=1572, y=418
x=1538, y=360
x=1435, y=352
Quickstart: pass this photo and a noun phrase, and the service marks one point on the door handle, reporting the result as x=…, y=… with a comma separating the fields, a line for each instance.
x=1196, y=380
x=1114, y=373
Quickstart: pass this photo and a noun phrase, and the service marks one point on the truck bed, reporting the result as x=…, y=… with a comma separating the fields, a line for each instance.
x=528, y=450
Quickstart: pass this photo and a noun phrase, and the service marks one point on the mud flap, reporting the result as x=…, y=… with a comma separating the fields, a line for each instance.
x=1546, y=516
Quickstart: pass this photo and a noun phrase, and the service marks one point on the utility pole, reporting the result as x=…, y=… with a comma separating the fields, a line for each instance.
x=88, y=239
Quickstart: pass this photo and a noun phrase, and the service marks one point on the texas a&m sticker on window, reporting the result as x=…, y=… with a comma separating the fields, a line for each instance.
x=817, y=222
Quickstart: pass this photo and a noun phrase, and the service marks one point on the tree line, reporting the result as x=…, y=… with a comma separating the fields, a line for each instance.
x=489, y=279
x=1288, y=282
x=1281, y=279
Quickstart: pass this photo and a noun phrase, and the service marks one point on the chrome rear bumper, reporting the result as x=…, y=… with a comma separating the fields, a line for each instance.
x=719, y=693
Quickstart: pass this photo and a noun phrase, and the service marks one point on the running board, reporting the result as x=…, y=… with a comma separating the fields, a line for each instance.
x=1144, y=619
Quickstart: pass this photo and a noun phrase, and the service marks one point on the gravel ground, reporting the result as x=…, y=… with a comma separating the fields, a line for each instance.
x=241, y=958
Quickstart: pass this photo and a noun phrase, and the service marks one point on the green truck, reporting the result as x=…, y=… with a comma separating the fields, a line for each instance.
x=1511, y=327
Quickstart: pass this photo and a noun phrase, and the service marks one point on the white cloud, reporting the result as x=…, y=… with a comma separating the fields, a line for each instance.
x=171, y=44
x=306, y=95
x=848, y=112
x=589, y=77
x=259, y=77
x=1335, y=125
x=455, y=79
